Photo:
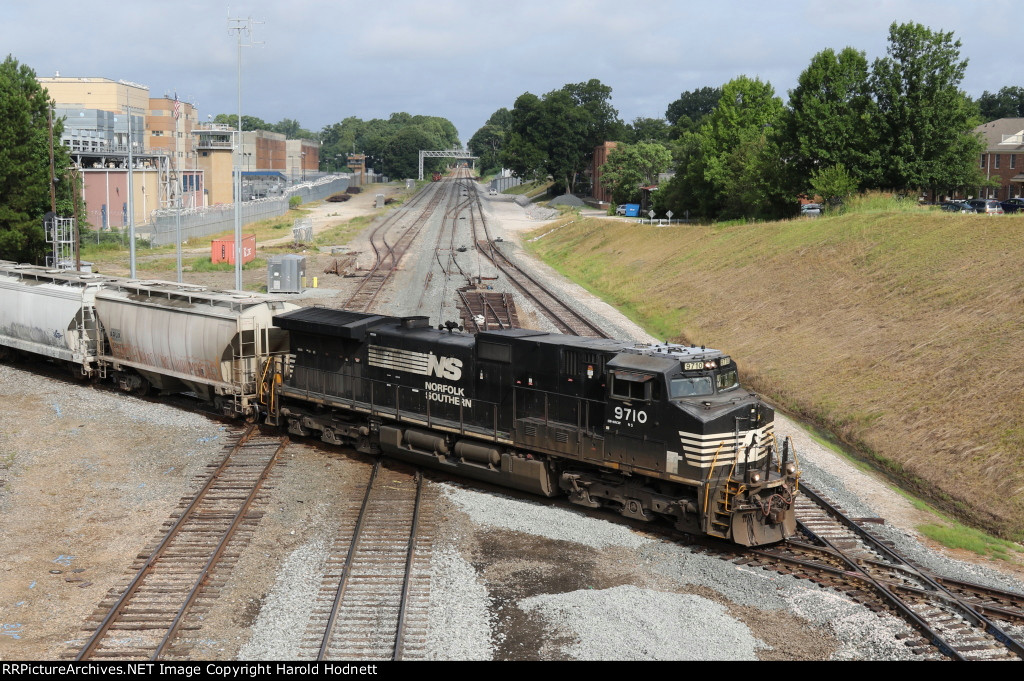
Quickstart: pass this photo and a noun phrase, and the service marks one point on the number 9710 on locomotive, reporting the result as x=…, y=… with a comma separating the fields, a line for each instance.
x=648, y=430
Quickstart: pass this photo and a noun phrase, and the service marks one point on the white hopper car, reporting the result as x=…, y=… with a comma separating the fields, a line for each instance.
x=143, y=334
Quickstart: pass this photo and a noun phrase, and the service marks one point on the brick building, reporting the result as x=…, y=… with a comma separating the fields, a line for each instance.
x=601, y=152
x=1003, y=159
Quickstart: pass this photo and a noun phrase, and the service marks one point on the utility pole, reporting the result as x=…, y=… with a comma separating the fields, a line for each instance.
x=131, y=191
x=239, y=26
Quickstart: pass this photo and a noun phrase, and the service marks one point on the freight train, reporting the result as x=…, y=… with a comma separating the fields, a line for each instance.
x=651, y=431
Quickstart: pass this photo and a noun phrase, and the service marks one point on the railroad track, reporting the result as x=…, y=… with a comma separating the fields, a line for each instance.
x=565, y=318
x=953, y=620
x=407, y=220
x=487, y=310
x=173, y=581
x=374, y=597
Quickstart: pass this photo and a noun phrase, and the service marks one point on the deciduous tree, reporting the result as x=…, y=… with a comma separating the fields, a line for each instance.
x=828, y=118
x=631, y=166
x=25, y=162
x=925, y=123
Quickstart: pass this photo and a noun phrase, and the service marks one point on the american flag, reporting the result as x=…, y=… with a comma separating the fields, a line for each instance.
x=177, y=107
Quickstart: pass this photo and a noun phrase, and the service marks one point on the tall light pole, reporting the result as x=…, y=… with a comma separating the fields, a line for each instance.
x=239, y=26
x=131, y=196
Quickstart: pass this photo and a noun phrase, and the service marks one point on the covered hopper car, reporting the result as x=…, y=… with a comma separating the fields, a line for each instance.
x=648, y=430
x=144, y=335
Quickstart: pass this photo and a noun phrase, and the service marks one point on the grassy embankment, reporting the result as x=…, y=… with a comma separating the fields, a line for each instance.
x=530, y=189
x=898, y=331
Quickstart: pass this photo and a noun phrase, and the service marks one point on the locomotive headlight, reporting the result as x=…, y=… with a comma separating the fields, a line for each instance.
x=755, y=477
x=790, y=468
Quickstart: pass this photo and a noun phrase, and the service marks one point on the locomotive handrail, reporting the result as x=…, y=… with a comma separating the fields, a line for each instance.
x=707, y=483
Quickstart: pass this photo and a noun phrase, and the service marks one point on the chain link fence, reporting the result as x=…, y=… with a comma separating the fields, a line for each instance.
x=201, y=222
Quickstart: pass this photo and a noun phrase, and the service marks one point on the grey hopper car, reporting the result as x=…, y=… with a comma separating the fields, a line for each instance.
x=144, y=334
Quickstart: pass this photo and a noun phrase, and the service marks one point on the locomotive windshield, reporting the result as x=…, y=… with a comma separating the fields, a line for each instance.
x=708, y=384
x=691, y=386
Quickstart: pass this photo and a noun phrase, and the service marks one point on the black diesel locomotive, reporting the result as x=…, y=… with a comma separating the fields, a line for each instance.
x=662, y=430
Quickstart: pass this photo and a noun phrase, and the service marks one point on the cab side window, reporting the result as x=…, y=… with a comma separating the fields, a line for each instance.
x=630, y=386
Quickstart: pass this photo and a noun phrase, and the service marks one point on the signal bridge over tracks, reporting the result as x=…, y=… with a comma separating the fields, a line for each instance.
x=448, y=153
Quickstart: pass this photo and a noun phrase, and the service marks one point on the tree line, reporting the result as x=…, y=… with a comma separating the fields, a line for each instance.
x=391, y=145
x=898, y=123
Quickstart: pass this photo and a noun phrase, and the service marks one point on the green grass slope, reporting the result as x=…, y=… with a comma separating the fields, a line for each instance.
x=901, y=332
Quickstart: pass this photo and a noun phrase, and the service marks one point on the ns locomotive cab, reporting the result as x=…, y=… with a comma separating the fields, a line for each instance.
x=650, y=431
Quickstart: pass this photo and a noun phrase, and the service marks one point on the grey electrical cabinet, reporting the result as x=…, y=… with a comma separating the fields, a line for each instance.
x=286, y=273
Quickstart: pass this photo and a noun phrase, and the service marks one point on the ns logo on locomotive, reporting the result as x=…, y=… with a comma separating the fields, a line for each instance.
x=650, y=431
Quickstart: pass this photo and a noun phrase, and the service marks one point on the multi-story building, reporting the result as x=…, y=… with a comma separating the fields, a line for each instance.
x=1003, y=159
x=109, y=125
x=214, y=153
x=303, y=159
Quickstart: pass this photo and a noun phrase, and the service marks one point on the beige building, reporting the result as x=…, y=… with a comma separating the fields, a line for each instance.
x=303, y=159
x=214, y=154
x=116, y=96
x=168, y=151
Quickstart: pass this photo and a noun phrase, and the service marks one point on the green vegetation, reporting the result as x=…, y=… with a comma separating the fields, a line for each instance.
x=631, y=166
x=343, y=233
x=555, y=135
x=391, y=146
x=25, y=164
x=893, y=326
x=531, y=189
x=207, y=265
x=957, y=536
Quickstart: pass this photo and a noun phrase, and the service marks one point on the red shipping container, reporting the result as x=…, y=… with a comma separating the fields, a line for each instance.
x=223, y=250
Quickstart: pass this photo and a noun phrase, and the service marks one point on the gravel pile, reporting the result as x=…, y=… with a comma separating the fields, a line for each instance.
x=566, y=200
x=629, y=623
x=651, y=619
x=535, y=212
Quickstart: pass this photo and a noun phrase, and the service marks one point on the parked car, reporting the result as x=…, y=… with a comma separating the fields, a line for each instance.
x=988, y=206
x=810, y=209
x=1012, y=205
x=957, y=207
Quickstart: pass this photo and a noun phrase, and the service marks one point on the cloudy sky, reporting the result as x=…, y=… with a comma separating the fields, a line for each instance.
x=320, y=61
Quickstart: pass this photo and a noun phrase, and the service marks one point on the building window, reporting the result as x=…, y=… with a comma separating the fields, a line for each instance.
x=997, y=162
x=983, y=160
x=1013, y=161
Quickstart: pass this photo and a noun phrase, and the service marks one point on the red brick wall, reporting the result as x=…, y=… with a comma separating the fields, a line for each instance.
x=1002, y=173
x=600, y=157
